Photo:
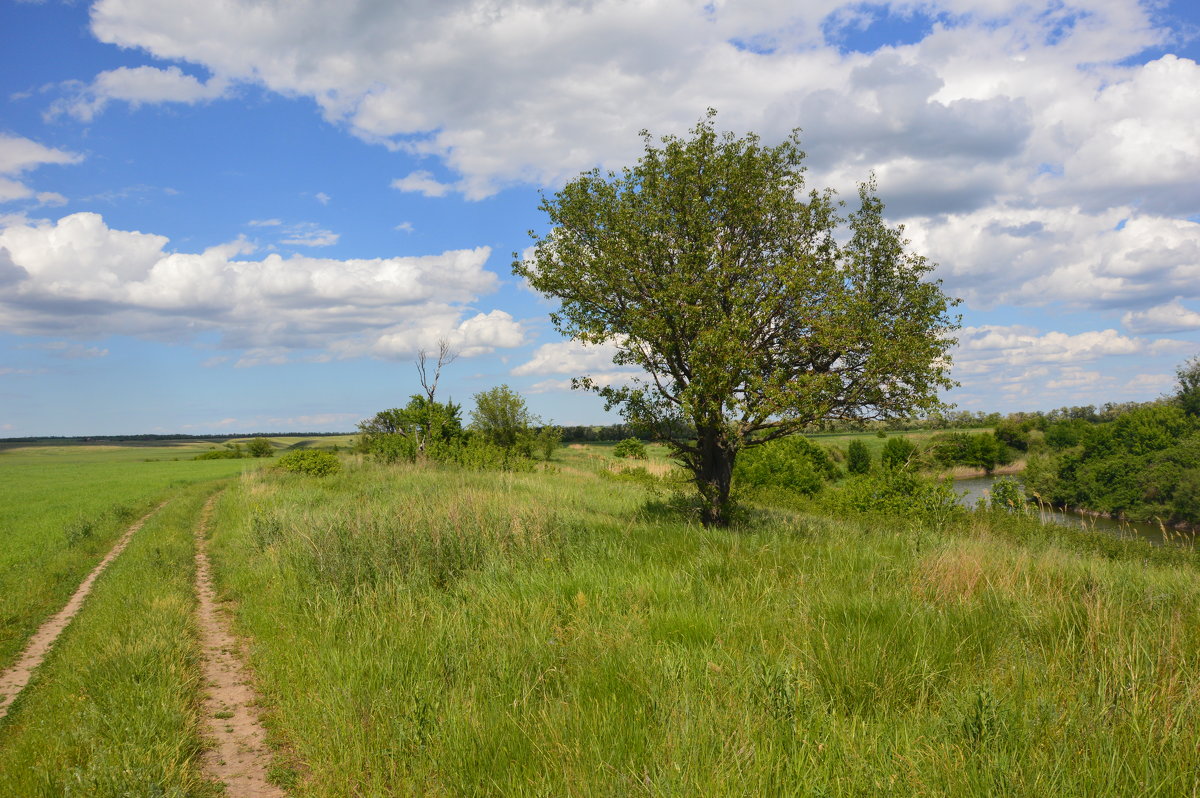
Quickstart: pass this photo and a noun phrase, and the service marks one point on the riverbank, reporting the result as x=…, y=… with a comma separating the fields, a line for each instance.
x=966, y=472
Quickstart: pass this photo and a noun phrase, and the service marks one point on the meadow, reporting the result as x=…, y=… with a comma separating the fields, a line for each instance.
x=429, y=630
x=65, y=505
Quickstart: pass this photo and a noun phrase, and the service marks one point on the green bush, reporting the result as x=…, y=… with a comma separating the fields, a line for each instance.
x=313, y=462
x=894, y=494
x=793, y=463
x=260, y=447
x=897, y=453
x=858, y=458
x=631, y=448
x=221, y=454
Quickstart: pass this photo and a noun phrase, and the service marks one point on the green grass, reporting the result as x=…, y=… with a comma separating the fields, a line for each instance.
x=112, y=712
x=557, y=633
x=63, y=509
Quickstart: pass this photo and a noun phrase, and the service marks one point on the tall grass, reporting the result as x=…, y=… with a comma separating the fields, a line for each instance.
x=112, y=712
x=436, y=632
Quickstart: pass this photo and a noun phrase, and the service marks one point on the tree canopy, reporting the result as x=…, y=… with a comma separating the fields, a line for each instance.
x=751, y=305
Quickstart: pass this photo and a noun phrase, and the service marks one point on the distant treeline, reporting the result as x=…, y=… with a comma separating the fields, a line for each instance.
x=59, y=440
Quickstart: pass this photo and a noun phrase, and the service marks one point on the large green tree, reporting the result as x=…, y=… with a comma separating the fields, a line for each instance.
x=753, y=307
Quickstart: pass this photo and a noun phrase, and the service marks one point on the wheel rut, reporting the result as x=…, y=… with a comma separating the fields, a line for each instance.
x=13, y=680
x=239, y=757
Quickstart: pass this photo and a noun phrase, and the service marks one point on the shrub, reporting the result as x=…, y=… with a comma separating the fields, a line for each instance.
x=1007, y=494
x=220, y=454
x=631, y=448
x=858, y=458
x=895, y=494
x=793, y=463
x=897, y=453
x=260, y=447
x=313, y=462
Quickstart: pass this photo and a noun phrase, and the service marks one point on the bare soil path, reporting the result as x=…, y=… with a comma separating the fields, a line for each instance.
x=240, y=757
x=13, y=680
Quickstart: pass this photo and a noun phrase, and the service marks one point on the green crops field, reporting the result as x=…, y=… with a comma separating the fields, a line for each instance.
x=423, y=630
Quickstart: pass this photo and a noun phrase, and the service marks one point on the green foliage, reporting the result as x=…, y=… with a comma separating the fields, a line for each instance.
x=858, y=458
x=221, y=454
x=982, y=450
x=1140, y=465
x=898, y=453
x=260, y=447
x=1006, y=494
x=750, y=302
x=313, y=462
x=1188, y=394
x=1015, y=434
x=631, y=448
x=793, y=463
x=501, y=417
x=896, y=494
x=547, y=440
x=418, y=428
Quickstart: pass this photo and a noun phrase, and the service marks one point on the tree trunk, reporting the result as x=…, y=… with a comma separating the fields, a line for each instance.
x=713, y=469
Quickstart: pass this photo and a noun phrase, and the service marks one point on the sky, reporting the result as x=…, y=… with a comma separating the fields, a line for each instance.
x=250, y=216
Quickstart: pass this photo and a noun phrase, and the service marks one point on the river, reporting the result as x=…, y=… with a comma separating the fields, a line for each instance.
x=971, y=490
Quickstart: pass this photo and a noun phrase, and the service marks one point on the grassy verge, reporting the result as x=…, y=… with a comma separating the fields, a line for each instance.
x=561, y=634
x=112, y=711
x=64, y=508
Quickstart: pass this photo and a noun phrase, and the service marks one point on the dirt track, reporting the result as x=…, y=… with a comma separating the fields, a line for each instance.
x=13, y=680
x=240, y=757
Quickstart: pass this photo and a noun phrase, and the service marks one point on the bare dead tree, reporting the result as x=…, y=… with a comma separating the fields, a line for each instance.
x=445, y=357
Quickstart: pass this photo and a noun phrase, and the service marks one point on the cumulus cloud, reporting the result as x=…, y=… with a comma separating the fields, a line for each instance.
x=1034, y=256
x=1017, y=366
x=981, y=348
x=422, y=182
x=568, y=357
x=19, y=155
x=137, y=86
x=536, y=91
x=78, y=278
x=1169, y=317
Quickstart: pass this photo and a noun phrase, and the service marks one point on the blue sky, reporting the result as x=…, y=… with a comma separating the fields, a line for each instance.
x=250, y=216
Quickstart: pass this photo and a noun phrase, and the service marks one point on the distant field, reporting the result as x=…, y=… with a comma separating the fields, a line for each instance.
x=63, y=508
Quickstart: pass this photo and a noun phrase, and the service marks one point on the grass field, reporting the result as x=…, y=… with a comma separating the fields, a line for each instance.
x=63, y=508
x=432, y=631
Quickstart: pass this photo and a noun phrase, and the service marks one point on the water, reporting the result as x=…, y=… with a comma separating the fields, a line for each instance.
x=972, y=490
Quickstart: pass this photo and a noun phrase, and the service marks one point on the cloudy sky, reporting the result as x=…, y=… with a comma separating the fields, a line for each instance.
x=249, y=216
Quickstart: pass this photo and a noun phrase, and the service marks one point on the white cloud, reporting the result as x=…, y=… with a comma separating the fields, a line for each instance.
x=71, y=351
x=77, y=277
x=422, y=182
x=1035, y=256
x=308, y=234
x=508, y=92
x=568, y=357
x=983, y=348
x=1021, y=367
x=1148, y=383
x=138, y=86
x=1169, y=317
x=322, y=197
x=480, y=334
x=405, y=227
x=19, y=155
